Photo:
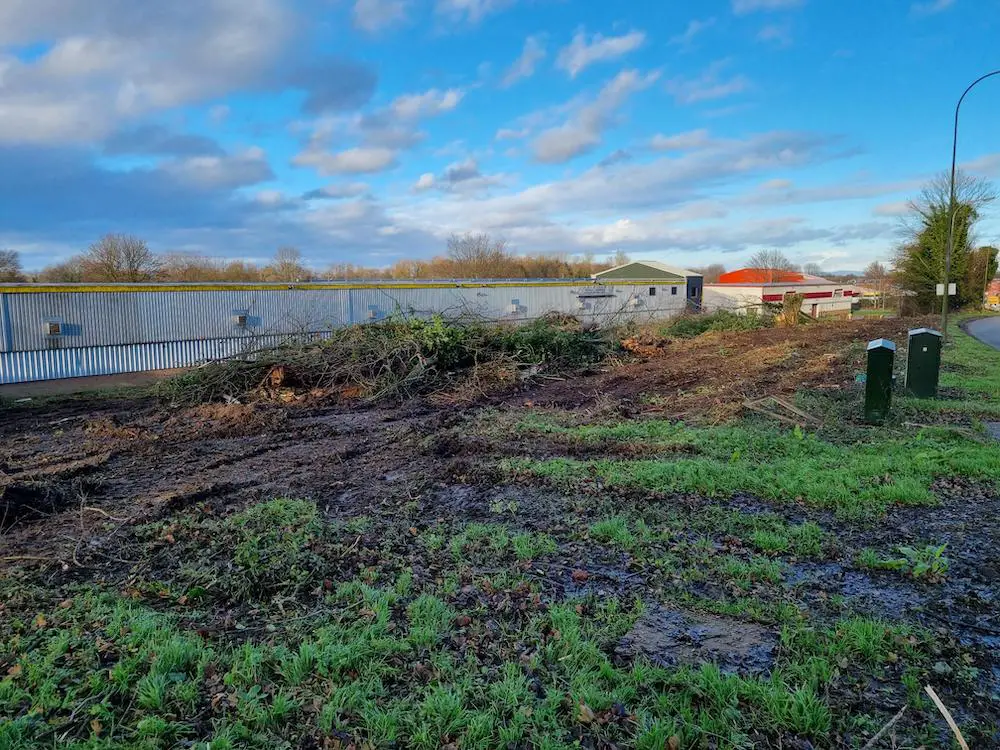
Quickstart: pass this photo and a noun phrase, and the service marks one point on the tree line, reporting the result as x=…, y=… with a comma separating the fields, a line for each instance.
x=126, y=258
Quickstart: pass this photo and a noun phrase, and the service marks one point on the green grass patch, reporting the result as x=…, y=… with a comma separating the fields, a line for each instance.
x=857, y=480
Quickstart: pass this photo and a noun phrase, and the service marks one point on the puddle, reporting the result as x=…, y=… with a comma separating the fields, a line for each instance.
x=671, y=637
x=992, y=429
x=864, y=593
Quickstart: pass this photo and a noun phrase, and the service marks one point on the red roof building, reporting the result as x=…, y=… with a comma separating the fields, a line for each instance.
x=749, y=289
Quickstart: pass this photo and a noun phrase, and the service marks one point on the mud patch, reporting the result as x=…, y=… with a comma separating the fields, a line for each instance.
x=26, y=502
x=672, y=637
x=886, y=595
x=222, y=421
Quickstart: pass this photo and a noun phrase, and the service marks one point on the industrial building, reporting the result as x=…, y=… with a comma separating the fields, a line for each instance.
x=750, y=289
x=68, y=330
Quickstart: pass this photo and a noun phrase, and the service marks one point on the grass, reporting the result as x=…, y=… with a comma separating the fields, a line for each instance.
x=106, y=672
x=270, y=625
x=689, y=326
x=857, y=480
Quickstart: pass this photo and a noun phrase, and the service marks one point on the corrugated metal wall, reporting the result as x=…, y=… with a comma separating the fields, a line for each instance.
x=109, y=332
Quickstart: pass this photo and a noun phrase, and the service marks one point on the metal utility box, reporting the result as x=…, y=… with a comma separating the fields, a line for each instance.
x=878, y=381
x=923, y=362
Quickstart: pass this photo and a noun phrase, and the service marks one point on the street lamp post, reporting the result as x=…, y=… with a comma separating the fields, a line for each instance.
x=952, y=208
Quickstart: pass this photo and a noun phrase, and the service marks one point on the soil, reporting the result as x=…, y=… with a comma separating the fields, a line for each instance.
x=671, y=637
x=79, y=480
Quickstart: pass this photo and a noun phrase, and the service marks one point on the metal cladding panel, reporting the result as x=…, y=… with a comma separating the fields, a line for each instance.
x=6, y=328
x=107, y=333
x=103, y=318
x=52, y=364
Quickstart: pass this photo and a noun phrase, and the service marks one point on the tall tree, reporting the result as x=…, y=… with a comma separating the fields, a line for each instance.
x=478, y=255
x=774, y=261
x=920, y=260
x=710, y=273
x=876, y=276
x=982, y=267
x=813, y=269
x=287, y=266
x=119, y=257
x=620, y=258
x=10, y=266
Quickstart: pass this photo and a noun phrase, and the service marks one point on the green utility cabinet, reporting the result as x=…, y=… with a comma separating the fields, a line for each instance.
x=923, y=362
x=878, y=380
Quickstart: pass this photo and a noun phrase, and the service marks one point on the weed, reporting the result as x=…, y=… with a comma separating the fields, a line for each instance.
x=689, y=326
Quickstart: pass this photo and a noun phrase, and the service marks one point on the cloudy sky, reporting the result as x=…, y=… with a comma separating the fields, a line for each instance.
x=369, y=130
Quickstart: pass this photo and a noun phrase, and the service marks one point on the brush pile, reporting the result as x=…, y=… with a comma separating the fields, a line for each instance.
x=395, y=359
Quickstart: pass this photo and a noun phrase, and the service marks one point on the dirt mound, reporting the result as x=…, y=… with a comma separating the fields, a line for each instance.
x=222, y=421
x=713, y=374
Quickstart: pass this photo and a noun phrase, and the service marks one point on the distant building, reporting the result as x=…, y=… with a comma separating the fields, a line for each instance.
x=749, y=289
x=671, y=278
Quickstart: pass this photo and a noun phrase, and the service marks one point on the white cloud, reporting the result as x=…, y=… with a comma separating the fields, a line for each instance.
x=375, y=15
x=524, y=67
x=337, y=191
x=742, y=7
x=217, y=172
x=357, y=160
x=690, y=139
x=425, y=182
x=113, y=60
x=583, y=130
x=581, y=53
x=775, y=33
x=426, y=104
x=987, y=166
x=931, y=7
x=471, y=11
x=784, y=192
x=505, y=134
x=711, y=84
x=895, y=208
x=463, y=177
x=694, y=28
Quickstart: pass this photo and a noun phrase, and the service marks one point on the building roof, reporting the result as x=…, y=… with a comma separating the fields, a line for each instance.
x=645, y=269
x=769, y=276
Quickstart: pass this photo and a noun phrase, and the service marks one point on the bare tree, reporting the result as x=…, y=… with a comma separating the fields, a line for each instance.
x=10, y=266
x=772, y=260
x=478, y=255
x=711, y=273
x=877, y=275
x=974, y=192
x=287, y=266
x=813, y=269
x=620, y=258
x=68, y=272
x=119, y=257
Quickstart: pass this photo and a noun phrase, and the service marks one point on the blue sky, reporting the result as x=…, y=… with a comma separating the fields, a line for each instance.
x=367, y=131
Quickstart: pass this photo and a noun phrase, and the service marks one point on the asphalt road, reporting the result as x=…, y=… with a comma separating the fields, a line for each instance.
x=986, y=330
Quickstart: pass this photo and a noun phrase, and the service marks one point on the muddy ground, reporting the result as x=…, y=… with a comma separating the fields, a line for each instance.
x=82, y=480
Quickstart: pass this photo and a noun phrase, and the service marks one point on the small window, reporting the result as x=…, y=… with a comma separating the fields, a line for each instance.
x=652, y=291
x=673, y=291
x=240, y=320
x=53, y=328
x=838, y=292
